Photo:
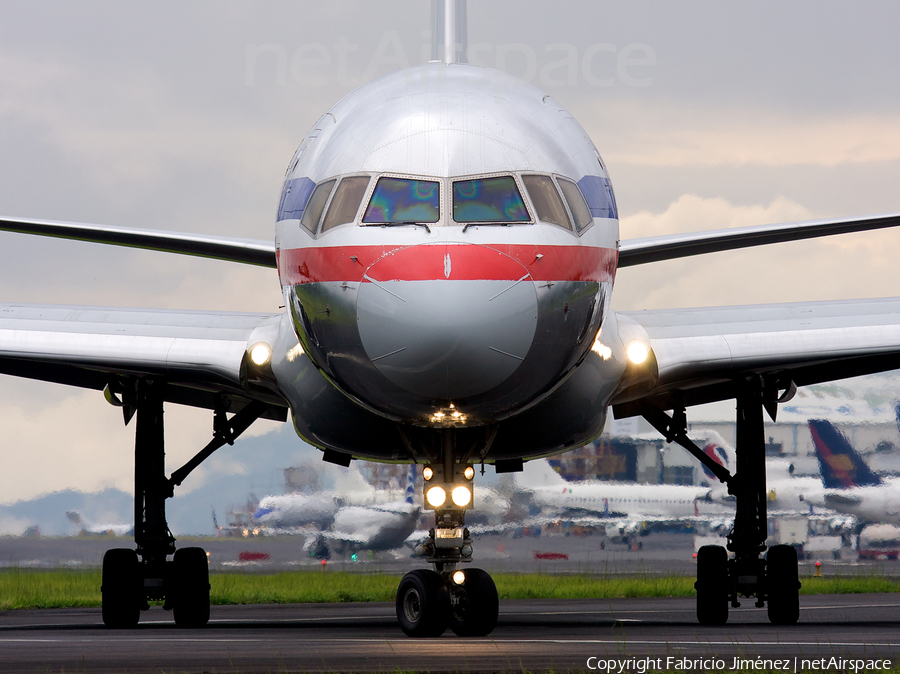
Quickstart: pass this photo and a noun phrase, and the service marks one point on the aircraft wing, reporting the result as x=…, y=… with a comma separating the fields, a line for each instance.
x=247, y=251
x=702, y=354
x=201, y=355
x=657, y=248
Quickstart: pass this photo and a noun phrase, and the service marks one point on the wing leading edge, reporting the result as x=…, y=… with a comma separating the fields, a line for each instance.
x=246, y=251
x=655, y=249
x=200, y=355
x=702, y=354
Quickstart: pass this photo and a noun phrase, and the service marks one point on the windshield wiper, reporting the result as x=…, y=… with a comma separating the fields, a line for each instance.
x=399, y=223
x=492, y=224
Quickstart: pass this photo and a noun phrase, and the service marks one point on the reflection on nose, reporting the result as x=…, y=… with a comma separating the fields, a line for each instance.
x=447, y=321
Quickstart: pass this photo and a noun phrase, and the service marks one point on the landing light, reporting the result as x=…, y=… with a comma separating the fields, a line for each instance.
x=637, y=352
x=459, y=577
x=461, y=496
x=427, y=473
x=469, y=472
x=436, y=497
x=260, y=353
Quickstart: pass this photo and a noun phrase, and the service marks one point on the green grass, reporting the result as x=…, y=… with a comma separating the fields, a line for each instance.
x=20, y=588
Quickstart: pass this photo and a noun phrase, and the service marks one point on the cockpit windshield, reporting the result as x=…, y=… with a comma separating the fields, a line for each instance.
x=488, y=200
x=403, y=200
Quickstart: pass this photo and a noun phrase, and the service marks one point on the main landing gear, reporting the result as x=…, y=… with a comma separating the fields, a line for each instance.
x=132, y=578
x=465, y=600
x=773, y=580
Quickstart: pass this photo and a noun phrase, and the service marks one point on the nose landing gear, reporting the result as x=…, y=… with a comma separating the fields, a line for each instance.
x=465, y=600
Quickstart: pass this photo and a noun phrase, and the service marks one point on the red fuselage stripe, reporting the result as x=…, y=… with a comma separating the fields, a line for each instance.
x=467, y=262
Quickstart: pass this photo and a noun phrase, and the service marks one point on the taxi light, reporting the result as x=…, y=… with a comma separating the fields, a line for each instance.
x=469, y=472
x=461, y=496
x=428, y=473
x=637, y=352
x=260, y=353
x=448, y=534
x=459, y=577
x=436, y=496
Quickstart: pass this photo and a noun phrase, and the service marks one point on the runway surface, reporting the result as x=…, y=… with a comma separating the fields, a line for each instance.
x=534, y=634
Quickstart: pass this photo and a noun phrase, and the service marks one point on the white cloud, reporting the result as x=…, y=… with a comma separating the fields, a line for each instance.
x=691, y=213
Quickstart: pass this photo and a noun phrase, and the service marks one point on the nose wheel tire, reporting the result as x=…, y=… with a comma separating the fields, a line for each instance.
x=712, y=585
x=191, y=588
x=120, y=600
x=423, y=606
x=783, y=585
x=477, y=605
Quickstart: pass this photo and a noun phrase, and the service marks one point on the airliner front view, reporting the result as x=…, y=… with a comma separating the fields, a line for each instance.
x=447, y=242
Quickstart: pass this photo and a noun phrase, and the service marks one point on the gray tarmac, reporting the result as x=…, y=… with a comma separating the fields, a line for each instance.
x=659, y=553
x=533, y=635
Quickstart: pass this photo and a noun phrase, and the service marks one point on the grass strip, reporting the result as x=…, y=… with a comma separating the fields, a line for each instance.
x=28, y=588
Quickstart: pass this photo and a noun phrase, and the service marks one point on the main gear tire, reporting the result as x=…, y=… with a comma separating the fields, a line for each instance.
x=120, y=589
x=423, y=605
x=782, y=585
x=475, y=611
x=712, y=585
x=190, y=603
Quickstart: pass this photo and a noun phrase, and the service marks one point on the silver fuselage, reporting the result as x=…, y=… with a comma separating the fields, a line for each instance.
x=413, y=323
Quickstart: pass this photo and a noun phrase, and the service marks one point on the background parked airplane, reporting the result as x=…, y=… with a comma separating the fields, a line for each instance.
x=344, y=520
x=851, y=487
x=87, y=527
x=624, y=508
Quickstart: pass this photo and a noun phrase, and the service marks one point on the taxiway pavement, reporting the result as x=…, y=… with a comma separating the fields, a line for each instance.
x=532, y=634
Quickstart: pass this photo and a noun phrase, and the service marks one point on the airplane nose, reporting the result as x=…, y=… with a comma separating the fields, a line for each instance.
x=447, y=321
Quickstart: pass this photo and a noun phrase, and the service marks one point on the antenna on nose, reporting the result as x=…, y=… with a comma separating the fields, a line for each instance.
x=449, y=31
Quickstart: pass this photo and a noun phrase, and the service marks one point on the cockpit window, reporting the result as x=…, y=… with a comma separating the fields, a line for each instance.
x=316, y=205
x=577, y=204
x=488, y=200
x=345, y=202
x=546, y=200
x=403, y=200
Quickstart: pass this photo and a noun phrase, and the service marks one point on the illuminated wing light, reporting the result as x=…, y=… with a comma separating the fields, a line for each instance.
x=260, y=353
x=637, y=352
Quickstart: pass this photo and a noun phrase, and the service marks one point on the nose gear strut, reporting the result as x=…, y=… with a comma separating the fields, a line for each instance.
x=465, y=600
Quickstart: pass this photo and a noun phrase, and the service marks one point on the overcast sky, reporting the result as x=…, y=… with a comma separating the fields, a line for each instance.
x=183, y=116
